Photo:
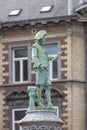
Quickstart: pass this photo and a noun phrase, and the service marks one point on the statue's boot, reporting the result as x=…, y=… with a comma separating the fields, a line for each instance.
x=50, y=105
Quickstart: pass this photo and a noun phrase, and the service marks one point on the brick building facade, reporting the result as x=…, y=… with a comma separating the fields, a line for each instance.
x=65, y=33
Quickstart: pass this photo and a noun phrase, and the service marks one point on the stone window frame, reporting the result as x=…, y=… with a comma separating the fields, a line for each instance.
x=11, y=48
x=14, y=121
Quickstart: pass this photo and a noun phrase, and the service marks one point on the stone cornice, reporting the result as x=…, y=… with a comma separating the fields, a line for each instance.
x=32, y=83
x=38, y=22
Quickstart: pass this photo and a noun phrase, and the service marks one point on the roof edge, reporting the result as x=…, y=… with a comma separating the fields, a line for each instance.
x=43, y=21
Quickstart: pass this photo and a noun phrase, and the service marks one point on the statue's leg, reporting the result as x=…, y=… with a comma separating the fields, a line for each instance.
x=39, y=83
x=48, y=97
x=48, y=92
x=39, y=97
x=37, y=76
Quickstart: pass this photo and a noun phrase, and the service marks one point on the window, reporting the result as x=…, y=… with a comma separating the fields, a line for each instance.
x=15, y=12
x=20, y=65
x=54, y=69
x=56, y=108
x=46, y=8
x=17, y=114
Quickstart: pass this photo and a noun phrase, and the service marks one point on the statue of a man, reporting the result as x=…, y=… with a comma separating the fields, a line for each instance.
x=41, y=64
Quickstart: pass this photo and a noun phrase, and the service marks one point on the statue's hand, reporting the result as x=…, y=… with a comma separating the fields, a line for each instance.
x=42, y=67
x=59, y=53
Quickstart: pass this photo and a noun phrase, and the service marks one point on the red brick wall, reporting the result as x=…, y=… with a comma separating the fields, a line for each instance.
x=27, y=32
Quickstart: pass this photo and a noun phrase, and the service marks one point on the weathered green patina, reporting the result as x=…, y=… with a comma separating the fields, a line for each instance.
x=32, y=95
x=41, y=64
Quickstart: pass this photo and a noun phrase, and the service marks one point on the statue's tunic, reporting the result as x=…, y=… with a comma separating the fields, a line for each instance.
x=40, y=57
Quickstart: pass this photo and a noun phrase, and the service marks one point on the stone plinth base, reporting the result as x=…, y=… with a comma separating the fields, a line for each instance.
x=41, y=120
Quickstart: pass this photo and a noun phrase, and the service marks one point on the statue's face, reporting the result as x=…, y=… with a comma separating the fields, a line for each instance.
x=41, y=41
x=40, y=36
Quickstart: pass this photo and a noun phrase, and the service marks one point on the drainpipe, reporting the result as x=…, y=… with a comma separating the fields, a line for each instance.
x=69, y=7
x=85, y=40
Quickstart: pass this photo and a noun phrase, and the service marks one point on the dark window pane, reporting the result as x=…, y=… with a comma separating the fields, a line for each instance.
x=51, y=49
x=17, y=127
x=55, y=69
x=25, y=70
x=20, y=53
x=17, y=71
x=19, y=114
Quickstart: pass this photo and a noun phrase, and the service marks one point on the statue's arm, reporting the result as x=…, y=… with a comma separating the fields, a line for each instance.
x=52, y=58
x=35, y=57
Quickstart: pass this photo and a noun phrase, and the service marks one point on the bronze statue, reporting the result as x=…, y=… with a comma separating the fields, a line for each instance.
x=41, y=64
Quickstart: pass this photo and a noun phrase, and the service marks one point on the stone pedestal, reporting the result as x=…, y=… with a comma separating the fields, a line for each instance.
x=41, y=120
